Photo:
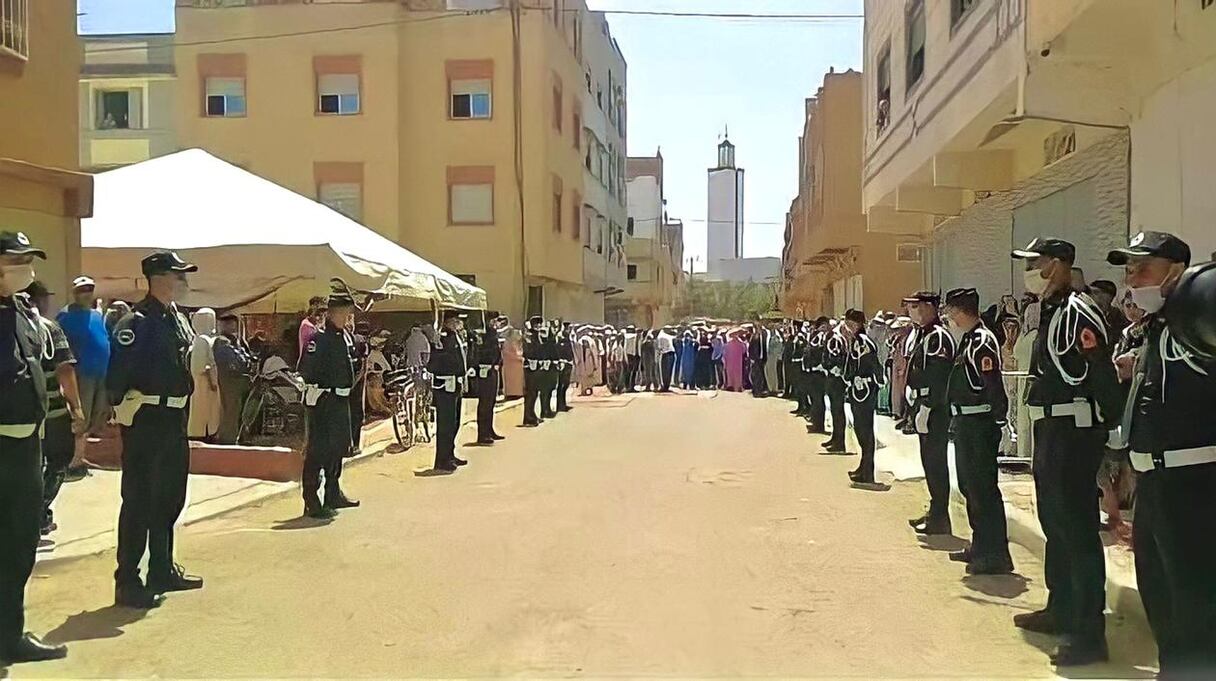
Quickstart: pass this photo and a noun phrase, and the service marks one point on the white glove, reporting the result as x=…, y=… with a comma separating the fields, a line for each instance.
x=922, y=421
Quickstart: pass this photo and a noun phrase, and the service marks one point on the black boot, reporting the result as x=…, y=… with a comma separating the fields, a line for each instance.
x=1039, y=621
x=313, y=509
x=336, y=500
x=137, y=596
x=935, y=525
x=29, y=648
x=176, y=580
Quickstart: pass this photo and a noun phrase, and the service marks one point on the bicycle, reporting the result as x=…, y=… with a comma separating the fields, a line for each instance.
x=409, y=392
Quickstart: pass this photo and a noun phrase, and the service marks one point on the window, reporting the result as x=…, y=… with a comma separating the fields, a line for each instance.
x=578, y=129
x=14, y=27
x=338, y=93
x=629, y=227
x=557, y=210
x=344, y=197
x=915, y=67
x=576, y=213
x=910, y=253
x=883, y=96
x=470, y=279
x=536, y=300
x=471, y=195
x=960, y=9
x=631, y=272
x=1204, y=4
x=118, y=109
x=557, y=107
x=225, y=97
x=471, y=99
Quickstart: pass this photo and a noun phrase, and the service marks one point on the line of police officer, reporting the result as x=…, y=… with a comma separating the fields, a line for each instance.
x=548, y=364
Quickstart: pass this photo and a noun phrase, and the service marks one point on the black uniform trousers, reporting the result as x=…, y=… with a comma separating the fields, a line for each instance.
x=814, y=399
x=155, y=468
x=629, y=379
x=356, y=413
x=1066, y=461
x=548, y=383
x=58, y=447
x=532, y=381
x=977, y=438
x=20, y=522
x=329, y=440
x=667, y=365
x=447, y=423
x=835, y=389
x=1176, y=566
x=863, y=426
x=487, y=395
x=934, y=459
x=563, y=387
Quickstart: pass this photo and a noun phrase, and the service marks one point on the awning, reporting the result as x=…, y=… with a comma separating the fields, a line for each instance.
x=259, y=246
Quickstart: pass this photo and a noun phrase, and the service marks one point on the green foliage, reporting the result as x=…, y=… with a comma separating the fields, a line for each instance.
x=743, y=301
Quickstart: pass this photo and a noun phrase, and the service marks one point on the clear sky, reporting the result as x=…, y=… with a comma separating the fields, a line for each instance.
x=689, y=80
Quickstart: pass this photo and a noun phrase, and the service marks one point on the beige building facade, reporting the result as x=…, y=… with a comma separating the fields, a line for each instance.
x=417, y=118
x=831, y=262
x=654, y=248
x=127, y=91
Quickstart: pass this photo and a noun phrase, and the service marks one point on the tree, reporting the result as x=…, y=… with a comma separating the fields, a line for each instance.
x=736, y=301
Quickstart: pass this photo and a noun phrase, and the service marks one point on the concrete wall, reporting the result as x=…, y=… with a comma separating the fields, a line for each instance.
x=724, y=214
x=973, y=249
x=745, y=269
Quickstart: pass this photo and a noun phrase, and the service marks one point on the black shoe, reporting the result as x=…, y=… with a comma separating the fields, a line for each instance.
x=915, y=522
x=496, y=436
x=935, y=525
x=76, y=473
x=855, y=475
x=963, y=556
x=990, y=566
x=49, y=527
x=29, y=648
x=1039, y=621
x=529, y=424
x=550, y=415
x=1077, y=654
x=457, y=461
x=177, y=580
x=485, y=442
x=136, y=596
x=318, y=512
x=566, y=409
x=339, y=500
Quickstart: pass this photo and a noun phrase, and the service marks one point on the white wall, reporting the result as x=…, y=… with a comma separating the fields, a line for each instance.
x=724, y=214
x=1174, y=161
x=645, y=206
x=744, y=269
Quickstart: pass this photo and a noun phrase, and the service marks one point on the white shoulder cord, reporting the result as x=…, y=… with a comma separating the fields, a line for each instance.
x=1062, y=334
x=943, y=339
x=1172, y=351
x=986, y=337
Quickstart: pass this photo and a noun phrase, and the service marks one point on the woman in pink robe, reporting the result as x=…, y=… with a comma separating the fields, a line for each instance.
x=513, y=365
x=734, y=354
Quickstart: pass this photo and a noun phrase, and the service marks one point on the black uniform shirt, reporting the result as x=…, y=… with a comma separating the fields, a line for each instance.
x=23, y=398
x=835, y=353
x=929, y=364
x=975, y=378
x=150, y=352
x=329, y=358
x=1072, y=358
x=58, y=352
x=447, y=356
x=1173, y=408
x=813, y=351
x=862, y=371
x=489, y=350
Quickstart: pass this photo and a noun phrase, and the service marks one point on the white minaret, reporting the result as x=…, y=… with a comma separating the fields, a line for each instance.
x=725, y=214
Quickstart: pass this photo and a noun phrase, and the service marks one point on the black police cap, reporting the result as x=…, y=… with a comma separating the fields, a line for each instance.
x=17, y=243
x=1050, y=247
x=340, y=299
x=164, y=262
x=930, y=297
x=963, y=296
x=855, y=316
x=1154, y=244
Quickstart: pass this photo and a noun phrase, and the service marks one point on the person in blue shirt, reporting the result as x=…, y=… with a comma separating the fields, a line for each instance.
x=90, y=343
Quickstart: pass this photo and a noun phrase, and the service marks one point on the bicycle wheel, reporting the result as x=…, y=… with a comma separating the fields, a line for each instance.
x=403, y=421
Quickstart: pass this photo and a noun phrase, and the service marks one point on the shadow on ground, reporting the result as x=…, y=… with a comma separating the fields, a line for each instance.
x=301, y=523
x=89, y=625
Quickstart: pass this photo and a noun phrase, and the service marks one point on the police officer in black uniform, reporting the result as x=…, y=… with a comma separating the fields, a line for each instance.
x=815, y=375
x=23, y=406
x=489, y=363
x=863, y=379
x=1073, y=399
x=328, y=369
x=534, y=353
x=928, y=374
x=979, y=405
x=150, y=385
x=1169, y=422
x=449, y=370
x=791, y=358
x=550, y=355
x=565, y=365
x=835, y=356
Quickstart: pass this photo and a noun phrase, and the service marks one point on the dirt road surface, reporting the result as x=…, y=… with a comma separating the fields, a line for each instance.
x=636, y=536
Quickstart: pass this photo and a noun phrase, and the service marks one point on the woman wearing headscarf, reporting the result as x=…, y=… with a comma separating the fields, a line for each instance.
x=586, y=364
x=688, y=361
x=735, y=355
x=718, y=343
x=513, y=364
x=205, y=411
x=772, y=363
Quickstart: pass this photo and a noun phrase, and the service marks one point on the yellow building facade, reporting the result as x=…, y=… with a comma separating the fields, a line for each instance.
x=41, y=194
x=426, y=124
x=831, y=262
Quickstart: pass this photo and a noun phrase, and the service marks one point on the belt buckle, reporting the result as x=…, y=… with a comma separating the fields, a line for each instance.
x=1158, y=460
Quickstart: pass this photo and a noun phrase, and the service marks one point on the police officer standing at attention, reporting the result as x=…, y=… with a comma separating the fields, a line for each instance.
x=1073, y=395
x=449, y=369
x=1172, y=433
x=489, y=361
x=979, y=405
x=863, y=379
x=328, y=369
x=795, y=379
x=23, y=406
x=549, y=368
x=533, y=376
x=149, y=383
x=815, y=375
x=928, y=374
x=835, y=356
x=565, y=365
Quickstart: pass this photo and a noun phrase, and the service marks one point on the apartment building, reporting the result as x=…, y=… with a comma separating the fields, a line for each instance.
x=127, y=90
x=831, y=262
x=41, y=193
x=989, y=122
x=654, y=247
x=451, y=126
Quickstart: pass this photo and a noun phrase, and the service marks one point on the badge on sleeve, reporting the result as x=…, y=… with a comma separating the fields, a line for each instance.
x=1089, y=340
x=125, y=337
x=311, y=347
x=986, y=364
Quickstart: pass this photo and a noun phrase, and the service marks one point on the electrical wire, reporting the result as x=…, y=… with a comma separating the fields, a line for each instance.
x=708, y=15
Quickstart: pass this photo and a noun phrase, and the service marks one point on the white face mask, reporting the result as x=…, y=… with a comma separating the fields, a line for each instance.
x=180, y=289
x=1148, y=298
x=1035, y=283
x=17, y=277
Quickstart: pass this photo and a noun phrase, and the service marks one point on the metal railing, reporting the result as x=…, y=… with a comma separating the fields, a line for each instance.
x=14, y=27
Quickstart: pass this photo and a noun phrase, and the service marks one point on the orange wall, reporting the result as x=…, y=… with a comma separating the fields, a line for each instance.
x=43, y=90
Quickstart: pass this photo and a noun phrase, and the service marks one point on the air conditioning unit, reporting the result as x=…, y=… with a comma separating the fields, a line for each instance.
x=474, y=5
x=909, y=252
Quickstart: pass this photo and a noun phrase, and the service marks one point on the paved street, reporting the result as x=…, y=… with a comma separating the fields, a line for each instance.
x=645, y=536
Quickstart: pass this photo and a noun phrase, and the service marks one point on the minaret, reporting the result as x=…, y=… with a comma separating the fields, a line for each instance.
x=725, y=213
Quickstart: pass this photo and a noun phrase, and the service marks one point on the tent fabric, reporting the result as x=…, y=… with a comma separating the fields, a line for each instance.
x=259, y=246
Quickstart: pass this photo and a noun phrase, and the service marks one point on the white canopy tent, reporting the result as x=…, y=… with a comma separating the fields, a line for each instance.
x=259, y=247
